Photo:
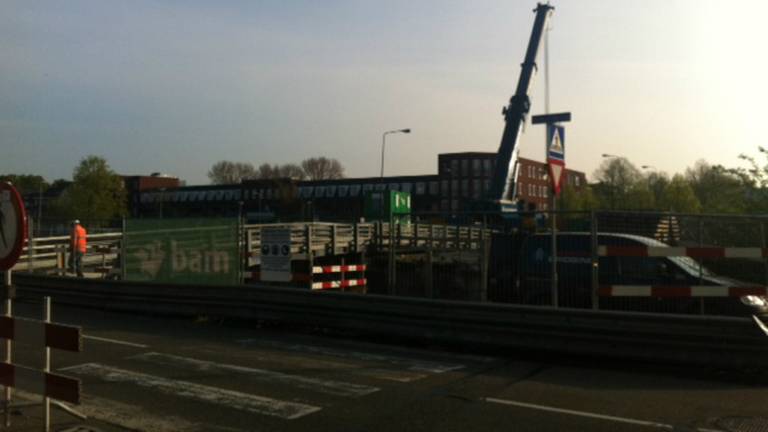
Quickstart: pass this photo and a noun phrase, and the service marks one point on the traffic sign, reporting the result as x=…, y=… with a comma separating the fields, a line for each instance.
x=556, y=155
x=13, y=226
x=276, y=254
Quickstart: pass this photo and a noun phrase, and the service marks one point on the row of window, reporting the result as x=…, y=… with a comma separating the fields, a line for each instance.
x=468, y=167
x=533, y=190
x=453, y=189
x=536, y=172
x=540, y=173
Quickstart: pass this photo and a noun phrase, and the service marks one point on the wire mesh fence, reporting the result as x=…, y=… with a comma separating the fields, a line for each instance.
x=650, y=262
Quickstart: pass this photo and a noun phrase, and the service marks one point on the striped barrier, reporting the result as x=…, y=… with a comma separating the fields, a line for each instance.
x=339, y=269
x=693, y=252
x=38, y=333
x=679, y=291
x=46, y=335
x=50, y=385
x=338, y=284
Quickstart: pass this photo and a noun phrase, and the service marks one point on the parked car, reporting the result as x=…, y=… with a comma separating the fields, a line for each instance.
x=532, y=277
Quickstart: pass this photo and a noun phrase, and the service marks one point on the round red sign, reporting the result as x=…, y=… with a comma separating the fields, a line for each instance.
x=13, y=226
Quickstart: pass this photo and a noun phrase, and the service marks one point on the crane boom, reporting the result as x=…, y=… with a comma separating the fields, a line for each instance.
x=505, y=174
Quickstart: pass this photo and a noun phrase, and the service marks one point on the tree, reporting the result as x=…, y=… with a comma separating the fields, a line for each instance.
x=616, y=177
x=657, y=182
x=226, y=172
x=679, y=197
x=639, y=197
x=26, y=183
x=718, y=189
x=291, y=171
x=322, y=168
x=576, y=199
x=96, y=194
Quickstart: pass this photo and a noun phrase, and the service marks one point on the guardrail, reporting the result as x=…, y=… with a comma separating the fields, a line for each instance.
x=700, y=340
x=50, y=253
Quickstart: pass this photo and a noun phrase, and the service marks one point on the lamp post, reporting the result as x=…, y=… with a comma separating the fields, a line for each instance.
x=384, y=144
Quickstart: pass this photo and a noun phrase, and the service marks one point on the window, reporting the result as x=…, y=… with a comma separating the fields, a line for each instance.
x=434, y=188
x=406, y=187
x=487, y=167
x=444, y=186
x=545, y=192
x=455, y=168
x=464, y=167
x=465, y=188
x=476, y=168
x=454, y=188
x=577, y=180
x=444, y=204
x=454, y=205
x=421, y=188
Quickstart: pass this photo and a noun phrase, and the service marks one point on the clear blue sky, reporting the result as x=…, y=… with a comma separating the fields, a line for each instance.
x=174, y=86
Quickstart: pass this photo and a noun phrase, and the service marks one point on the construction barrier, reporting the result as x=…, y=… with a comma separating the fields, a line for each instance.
x=679, y=291
x=666, y=291
x=341, y=270
x=46, y=335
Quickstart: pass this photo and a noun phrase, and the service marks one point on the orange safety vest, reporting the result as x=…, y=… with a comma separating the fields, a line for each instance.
x=79, y=241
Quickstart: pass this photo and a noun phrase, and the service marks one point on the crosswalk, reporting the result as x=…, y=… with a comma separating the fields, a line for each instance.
x=254, y=387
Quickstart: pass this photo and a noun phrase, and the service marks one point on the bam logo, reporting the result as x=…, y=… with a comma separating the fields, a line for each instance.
x=195, y=261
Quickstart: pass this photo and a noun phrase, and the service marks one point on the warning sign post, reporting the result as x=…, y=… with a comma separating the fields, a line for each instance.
x=556, y=163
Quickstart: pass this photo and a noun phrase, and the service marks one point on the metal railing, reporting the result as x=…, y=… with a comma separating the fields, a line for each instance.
x=689, y=340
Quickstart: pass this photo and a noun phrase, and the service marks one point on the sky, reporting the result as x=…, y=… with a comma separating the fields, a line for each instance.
x=173, y=86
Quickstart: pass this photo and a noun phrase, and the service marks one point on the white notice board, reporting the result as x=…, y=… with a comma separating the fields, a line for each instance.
x=276, y=254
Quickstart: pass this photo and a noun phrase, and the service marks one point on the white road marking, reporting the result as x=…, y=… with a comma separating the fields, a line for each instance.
x=115, y=341
x=314, y=363
x=228, y=398
x=589, y=414
x=412, y=364
x=124, y=415
x=338, y=388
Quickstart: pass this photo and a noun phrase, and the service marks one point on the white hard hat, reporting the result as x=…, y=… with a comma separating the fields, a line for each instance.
x=76, y=221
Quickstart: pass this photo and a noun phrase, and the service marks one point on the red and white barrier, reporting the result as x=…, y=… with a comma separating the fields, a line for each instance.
x=36, y=381
x=679, y=291
x=339, y=269
x=38, y=333
x=693, y=252
x=338, y=284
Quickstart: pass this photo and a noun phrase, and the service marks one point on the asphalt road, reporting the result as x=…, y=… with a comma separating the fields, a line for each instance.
x=150, y=374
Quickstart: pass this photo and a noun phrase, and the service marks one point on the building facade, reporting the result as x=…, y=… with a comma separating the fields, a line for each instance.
x=462, y=180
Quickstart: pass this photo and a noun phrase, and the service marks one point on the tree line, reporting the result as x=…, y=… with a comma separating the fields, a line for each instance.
x=703, y=188
x=315, y=168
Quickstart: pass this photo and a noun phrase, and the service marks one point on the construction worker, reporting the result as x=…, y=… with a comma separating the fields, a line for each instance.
x=77, y=246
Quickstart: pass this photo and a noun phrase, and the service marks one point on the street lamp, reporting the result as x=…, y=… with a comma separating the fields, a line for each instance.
x=384, y=143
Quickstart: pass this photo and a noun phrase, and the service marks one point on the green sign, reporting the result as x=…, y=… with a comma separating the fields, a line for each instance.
x=385, y=204
x=199, y=251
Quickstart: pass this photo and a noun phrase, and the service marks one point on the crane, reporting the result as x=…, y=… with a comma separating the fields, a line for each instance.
x=505, y=175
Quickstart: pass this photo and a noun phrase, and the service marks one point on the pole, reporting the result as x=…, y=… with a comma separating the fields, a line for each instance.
x=47, y=368
x=595, y=261
x=383, y=144
x=8, y=344
x=555, y=300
